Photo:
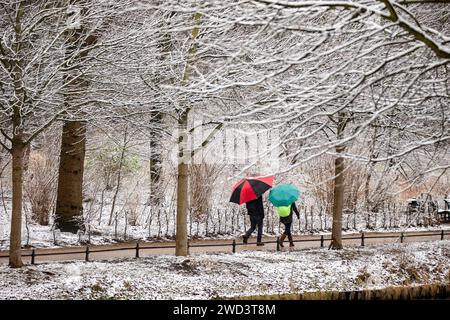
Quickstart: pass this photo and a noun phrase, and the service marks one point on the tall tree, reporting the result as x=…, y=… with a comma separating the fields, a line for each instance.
x=184, y=154
x=39, y=79
x=69, y=201
x=339, y=183
x=27, y=76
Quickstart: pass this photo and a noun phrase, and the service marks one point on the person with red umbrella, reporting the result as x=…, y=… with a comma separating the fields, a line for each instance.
x=250, y=191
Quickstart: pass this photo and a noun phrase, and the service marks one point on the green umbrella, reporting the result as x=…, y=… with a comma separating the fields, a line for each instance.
x=283, y=195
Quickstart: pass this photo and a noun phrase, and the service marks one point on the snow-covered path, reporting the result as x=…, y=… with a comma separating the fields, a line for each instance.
x=125, y=250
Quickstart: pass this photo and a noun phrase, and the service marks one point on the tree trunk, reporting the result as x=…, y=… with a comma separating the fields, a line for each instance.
x=338, y=188
x=17, y=151
x=182, y=188
x=338, y=202
x=155, y=162
x=165, y=47
x=69, y=203
x=184, y=157
x=182, y=192
x=15, y=255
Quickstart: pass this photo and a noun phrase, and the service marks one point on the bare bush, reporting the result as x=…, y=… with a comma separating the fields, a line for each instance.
x=40, y=185
x=355, y=178
x=362, y=191
x=318, y=181
x=437, y=186
x=202, y=179
x=132, y=209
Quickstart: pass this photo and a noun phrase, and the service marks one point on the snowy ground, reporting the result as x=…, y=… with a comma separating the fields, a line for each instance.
x=208, y=276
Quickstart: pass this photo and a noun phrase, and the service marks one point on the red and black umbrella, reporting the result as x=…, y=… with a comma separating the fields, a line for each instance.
x=251, y=188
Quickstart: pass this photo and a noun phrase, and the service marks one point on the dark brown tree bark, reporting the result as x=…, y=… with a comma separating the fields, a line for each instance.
x=338, y=201
x=17, y=150
x=339, y=183
x=69, y=203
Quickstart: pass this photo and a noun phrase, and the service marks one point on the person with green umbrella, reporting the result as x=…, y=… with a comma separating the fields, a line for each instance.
x=283, y=198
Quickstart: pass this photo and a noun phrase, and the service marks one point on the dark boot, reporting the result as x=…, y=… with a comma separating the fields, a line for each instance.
x=245, y=239
x=283, y=236
x=291, y=241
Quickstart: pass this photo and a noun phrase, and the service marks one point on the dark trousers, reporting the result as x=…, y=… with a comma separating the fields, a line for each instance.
x=287, y=228
x=256, y=222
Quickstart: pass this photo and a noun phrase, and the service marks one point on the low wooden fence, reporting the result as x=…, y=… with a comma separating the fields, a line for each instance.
x=138, y=247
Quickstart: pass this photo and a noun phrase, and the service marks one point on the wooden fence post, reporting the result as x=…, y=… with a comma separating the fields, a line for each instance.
x=299, y=220
x=375, y=220
x=150, y=222
x=238, y=213
x=273, y=219
x=33, y=255
x=348, y=220
x=167, y=211
x=198, y=227
x=320, y=219
x=219, y=220
x=190, y=221
x=159, y=222
x=306, y=220
x=232, y=221
x=206, y=222
x=245, y=222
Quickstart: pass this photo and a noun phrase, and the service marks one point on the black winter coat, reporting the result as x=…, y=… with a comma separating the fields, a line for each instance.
x=255, y=207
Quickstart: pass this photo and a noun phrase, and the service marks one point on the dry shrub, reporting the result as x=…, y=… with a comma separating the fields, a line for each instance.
x=320, y=181
x=132, y=209
x=201, y=183
x=439, y=188
x=355, y=177
x=40, y=185
x=362, y=189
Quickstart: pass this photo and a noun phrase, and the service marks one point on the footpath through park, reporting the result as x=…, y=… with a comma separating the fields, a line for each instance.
x=144, y=248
